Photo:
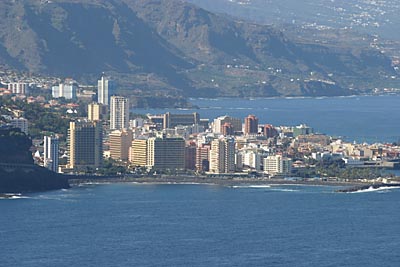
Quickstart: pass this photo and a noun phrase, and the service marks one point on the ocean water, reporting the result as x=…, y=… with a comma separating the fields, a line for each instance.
x=201, y=225
x=357, y=118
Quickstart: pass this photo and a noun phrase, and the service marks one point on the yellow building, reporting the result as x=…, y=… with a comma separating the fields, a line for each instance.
x=95, y=111
x=139, y=152
x=120, y=141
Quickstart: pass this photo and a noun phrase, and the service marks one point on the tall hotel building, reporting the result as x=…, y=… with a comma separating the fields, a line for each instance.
x=159, y=153
x=105, y=89
x=251, y=125
x=85, y=145
x=222, y=155
x=119, y=113
x=51, y=146
x=166, y=153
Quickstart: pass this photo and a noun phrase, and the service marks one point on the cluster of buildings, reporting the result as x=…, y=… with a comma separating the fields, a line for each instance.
x=172, y=142
x=167, y=143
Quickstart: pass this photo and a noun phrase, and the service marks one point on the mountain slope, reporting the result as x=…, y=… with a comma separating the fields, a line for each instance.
x=172, y=47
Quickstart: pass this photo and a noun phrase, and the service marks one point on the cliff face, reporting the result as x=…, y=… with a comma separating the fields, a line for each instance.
x=173, y=47
x=24, y=179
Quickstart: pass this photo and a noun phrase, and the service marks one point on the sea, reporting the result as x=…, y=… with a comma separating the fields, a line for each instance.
x=369, y=119
x=130, y=224
x=201, y=225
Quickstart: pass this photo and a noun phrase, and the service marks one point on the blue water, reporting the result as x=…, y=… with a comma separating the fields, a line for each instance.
x=359, y=118
x=200, y=225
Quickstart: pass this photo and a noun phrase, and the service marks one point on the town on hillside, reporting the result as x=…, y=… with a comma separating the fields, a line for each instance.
x=91, y=130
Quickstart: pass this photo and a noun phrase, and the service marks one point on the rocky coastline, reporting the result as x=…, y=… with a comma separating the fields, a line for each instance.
x=25, y=178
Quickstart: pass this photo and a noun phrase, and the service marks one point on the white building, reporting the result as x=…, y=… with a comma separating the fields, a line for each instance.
x=105, y=89
x=18, y=88
x=67, y=90
x=119, y=113
x=50, y=153
x=277, y=165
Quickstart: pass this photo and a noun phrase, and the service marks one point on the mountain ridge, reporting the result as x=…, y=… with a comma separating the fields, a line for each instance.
x=176, y=48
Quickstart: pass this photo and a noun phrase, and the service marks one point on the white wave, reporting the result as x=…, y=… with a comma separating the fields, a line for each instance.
x=251, y=186
x=372, y=189
x=284, y=190
x=18, y=197
x=13, y=196
x=260, y=186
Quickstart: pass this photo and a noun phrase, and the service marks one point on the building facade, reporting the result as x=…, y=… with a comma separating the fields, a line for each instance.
x=50, y=153
x=219, y=122
x=222, y=155
x=95, y=111
x=85, y=145
x=251, y=125
x=68, y=90
x=138, y=154
x=277, y=165
x=166, y=153
x=190, y=156
x=119, y=113
x=120, y=142
x=270, y=131
x=227, y=129
x=18, y=88
x=105, y=89
x=203, y=157
x=173, y=120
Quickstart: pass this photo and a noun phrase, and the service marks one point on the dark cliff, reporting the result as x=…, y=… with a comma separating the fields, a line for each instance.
x=18, y=174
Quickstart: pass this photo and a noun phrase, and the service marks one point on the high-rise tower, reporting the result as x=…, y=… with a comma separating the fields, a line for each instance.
x=105, y=89
x=222, y=155
x=85, y=144
x=251, y=125
x=50, y=156
x=119, y=113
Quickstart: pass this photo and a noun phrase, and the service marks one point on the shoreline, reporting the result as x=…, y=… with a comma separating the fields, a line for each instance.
x=228, y=182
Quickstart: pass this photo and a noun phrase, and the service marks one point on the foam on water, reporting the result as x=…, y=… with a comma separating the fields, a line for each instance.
x=13, y=196
x=251, y=186
x=284, y=190
x=371, y=189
